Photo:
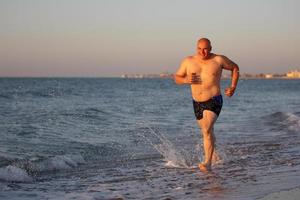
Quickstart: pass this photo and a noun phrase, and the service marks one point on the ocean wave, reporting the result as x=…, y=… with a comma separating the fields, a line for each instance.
x=284, y=121
x=88, y=113
x=88, y=153
x=35, y=166
x=14, y=174
x=21, y=170
x=95, y=110
x=61, y=162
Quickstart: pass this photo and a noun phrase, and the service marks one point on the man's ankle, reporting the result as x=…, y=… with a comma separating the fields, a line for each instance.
x=204, y=167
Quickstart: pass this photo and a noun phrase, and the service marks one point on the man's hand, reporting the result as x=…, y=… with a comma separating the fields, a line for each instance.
x=193, y=79
x=229, y=91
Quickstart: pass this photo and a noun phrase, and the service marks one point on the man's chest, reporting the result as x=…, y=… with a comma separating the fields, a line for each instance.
x=205, y=68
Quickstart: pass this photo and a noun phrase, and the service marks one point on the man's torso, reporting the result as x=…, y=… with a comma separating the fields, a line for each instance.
x=210, y=71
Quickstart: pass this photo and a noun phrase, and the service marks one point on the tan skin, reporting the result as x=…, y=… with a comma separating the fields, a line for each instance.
x=203, y=72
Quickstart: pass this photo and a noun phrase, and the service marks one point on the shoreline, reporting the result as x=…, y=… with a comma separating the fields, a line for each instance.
x=290, y=194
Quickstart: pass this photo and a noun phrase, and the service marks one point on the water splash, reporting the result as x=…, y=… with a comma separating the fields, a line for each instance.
x=173, y=157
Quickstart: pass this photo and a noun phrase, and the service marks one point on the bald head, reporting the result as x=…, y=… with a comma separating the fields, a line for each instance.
x=204, y=40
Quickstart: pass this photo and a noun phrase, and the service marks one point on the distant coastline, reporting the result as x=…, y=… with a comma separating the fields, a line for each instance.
x=289, y=75
x=166, y=75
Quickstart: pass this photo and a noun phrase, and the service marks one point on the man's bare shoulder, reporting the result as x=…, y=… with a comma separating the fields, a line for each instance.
x=187, y=61
x=220, y=58
x=225, y=62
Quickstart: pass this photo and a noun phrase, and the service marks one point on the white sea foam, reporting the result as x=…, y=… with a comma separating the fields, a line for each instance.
x=172, y=164
x=292, y=121
x=58, y=163
x=17, y=173
x=14, y=174
x=285, y=121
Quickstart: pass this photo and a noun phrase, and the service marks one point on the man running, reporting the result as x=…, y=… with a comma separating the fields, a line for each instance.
x=203, y=72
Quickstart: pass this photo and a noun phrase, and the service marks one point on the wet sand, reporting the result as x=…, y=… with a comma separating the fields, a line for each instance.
x=293, y=194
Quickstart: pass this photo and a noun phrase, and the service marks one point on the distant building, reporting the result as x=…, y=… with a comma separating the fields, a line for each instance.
x=162, y=75
x=226, y=75
x=165, y=75
x=261, y=75
x=293, y=74
x=269, y=76
x=246, y=76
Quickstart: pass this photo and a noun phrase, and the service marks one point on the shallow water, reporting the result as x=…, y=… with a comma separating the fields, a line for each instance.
x=72, y=138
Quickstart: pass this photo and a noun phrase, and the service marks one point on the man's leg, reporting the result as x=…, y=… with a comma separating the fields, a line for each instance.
x=207, y=128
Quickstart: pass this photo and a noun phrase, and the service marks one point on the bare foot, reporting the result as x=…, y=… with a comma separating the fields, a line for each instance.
x=204, y=167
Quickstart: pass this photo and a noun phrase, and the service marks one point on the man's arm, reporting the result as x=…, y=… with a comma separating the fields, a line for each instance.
x=179, y=80
x=180, y=75
x=234, y=68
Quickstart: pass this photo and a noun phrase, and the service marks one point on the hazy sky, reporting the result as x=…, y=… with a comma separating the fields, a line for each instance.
x=113, y=37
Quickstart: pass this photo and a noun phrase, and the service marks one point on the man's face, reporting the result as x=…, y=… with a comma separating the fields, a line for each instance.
x=203, y=49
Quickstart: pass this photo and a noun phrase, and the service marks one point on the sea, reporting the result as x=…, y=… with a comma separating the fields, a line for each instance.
x=118, y=138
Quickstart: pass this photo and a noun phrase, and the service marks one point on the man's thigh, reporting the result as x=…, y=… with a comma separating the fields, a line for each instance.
x=208, y=120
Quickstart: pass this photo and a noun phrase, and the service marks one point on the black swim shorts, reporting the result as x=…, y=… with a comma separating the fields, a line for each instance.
x=214, y=104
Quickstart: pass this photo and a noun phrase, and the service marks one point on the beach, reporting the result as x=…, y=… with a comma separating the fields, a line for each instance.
x=287, y=195
x=108, y=138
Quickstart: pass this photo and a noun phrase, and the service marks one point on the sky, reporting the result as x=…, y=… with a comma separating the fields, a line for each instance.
x=115, y=37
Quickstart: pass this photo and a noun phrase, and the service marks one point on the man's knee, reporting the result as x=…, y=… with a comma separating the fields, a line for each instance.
x=207, y=132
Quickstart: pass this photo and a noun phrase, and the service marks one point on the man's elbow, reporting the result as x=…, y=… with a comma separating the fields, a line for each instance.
x=236, y=69
x=176, y=79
